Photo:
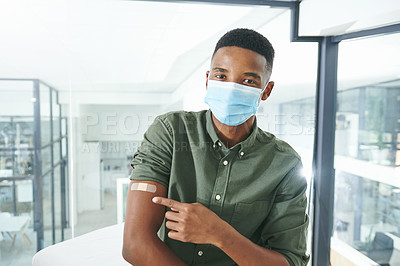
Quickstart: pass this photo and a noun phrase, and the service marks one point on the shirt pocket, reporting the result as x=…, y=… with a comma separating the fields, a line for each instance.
x=247, y=217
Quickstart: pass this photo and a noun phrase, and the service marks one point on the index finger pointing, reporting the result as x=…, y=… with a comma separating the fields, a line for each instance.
x=173, y=204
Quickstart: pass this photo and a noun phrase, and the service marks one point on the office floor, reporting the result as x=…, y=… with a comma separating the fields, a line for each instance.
x=21, y=254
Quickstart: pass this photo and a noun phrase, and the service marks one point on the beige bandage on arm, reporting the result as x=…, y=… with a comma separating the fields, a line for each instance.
x=144, y=187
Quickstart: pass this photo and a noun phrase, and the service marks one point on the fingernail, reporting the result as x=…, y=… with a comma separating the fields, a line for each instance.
x=155, y=199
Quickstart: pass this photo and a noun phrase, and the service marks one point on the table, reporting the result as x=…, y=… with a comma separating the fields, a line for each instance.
x=12, y=225
x=100, y=247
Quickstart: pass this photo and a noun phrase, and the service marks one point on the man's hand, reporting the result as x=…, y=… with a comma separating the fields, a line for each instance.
x=191, y=222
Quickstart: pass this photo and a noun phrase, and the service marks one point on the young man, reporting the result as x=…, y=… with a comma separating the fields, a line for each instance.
x=234, y=193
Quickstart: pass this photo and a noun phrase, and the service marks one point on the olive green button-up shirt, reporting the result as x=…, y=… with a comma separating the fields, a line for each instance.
x=256, y=186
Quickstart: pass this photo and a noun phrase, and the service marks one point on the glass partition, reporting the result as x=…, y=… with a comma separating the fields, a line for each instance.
x=17, y=151
x=56, y=152
x=64, y=147
x=24, y=154
x=46, y=159
x=45, y=126
x=24, y=196
x=367, y=182
x=47, y=210
x=56, y=116
x=7, y=196
x=63, y=135
x=57, y=205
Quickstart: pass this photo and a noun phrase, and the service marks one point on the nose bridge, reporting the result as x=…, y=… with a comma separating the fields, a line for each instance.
x=235, y=76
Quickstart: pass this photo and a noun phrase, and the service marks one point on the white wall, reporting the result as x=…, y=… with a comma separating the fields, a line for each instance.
x=116, y=122
x=88, y=179
x=193, y=90
x=95, y=124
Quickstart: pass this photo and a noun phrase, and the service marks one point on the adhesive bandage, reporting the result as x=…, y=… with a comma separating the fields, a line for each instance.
x=144, y=187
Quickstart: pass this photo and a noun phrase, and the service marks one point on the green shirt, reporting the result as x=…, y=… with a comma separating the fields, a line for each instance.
x=256, y=186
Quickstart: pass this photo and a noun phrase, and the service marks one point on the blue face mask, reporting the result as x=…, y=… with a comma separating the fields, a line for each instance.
x=232, y=103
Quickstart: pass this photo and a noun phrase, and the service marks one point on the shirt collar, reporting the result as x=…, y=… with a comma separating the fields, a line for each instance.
x=210, y=128
x=244, y=145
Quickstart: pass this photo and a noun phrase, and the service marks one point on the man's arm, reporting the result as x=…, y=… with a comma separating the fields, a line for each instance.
x=141, y=244
x=193, y=222
x=244, y=252
x=284, y=231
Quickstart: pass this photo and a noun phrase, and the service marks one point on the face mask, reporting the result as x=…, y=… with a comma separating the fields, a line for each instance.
x=231, y=103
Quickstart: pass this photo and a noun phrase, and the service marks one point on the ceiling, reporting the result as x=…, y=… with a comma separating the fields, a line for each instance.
x=107, y=45
x=138, y=52
x=344, y=16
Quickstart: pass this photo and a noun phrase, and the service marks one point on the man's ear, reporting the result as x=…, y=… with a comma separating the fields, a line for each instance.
x=268, y=90
x=207, y=74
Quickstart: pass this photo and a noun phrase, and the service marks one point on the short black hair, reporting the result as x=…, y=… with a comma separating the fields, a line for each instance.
x=248, y=39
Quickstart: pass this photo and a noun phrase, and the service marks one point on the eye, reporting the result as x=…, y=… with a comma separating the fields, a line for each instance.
x=220, y=76
x=249, y=81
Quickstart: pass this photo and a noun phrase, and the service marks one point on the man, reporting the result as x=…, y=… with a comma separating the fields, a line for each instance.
x=234, y=193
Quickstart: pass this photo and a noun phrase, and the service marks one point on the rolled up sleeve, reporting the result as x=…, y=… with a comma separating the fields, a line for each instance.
x=286, y=227
x=152, y=161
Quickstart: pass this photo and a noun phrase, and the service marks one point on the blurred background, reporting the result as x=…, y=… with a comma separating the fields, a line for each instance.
x=81, y=81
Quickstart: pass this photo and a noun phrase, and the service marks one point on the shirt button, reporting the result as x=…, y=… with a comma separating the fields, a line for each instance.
x=241, y=153
x=214, y=146
x=225, y=162
x=200, y=253
x=219, y=144
x=218, y=197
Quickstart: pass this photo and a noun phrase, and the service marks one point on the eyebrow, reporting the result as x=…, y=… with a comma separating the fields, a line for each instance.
x=251, y=74
x=220, y=69
x=254, y=75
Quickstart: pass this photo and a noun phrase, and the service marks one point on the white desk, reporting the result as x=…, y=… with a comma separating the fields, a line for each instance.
x=12, y=225
x=100, y=247
x=343, y=254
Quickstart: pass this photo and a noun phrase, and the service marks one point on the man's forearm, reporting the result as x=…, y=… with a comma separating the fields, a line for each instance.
x=150, y=251
x=244, y=252
x=195, y=223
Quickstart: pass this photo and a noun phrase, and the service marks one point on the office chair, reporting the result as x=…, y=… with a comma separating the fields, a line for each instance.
x=381, y=249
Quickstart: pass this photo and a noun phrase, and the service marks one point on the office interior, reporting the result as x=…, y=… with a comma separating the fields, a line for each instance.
x=81, y=81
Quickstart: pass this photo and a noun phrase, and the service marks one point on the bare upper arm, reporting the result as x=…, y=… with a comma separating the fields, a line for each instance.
x=143, y=217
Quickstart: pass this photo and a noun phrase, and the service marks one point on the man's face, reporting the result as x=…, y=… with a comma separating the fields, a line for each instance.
x=239, y=65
